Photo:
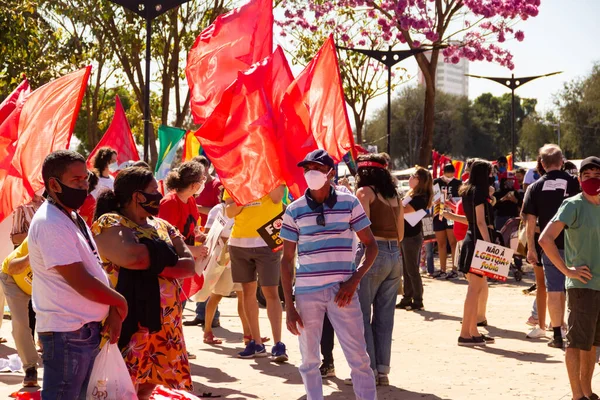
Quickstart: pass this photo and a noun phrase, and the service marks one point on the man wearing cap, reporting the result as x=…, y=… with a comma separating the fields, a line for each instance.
x=542, y=200
x=581, y=265
x=321, y=225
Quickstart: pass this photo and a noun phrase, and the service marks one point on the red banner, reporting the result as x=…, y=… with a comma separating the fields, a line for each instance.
x=42, y=125
x=119, y=137
x=233, y=43
x=239, y=137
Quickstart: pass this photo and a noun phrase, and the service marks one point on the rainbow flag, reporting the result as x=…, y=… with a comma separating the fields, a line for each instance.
x=191, y=147
x=511, y=164
x=459, y=166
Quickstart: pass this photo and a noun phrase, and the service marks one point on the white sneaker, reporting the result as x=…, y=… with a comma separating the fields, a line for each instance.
x=536, y=333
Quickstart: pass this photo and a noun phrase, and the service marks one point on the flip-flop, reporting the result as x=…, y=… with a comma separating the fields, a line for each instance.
x=209, y=395
x=210, y=339
x=2, y=340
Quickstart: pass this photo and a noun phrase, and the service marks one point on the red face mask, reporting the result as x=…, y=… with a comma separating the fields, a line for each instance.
x=591, y=186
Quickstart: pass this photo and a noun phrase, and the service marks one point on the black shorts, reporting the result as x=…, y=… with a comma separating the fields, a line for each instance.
x=441, y=225
x=584, y=318
x=466, y=254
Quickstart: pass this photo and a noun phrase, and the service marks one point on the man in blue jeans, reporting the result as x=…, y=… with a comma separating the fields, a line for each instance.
x=71, y=293
x=579, y=218
x=321, y=225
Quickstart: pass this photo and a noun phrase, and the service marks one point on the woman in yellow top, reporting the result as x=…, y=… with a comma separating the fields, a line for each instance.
x=144, y=257
x=16, y=278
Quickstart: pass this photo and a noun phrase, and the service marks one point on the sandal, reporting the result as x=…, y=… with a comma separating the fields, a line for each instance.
x=248, y=338
x=210, y=339
x=3, y=340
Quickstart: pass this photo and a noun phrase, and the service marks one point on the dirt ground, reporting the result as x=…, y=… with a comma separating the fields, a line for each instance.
x=426, y=362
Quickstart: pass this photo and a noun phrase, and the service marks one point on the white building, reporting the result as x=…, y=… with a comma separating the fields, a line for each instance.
x=450, y=78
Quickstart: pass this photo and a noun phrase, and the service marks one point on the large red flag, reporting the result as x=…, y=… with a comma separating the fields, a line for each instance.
x=233, y=43
x=119, y=137
x=239, y=137
x=44, y=123
x=8, y=136
x=313, y=115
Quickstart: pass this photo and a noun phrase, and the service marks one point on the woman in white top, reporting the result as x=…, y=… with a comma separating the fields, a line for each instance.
x=105, y=162
x=224, y=285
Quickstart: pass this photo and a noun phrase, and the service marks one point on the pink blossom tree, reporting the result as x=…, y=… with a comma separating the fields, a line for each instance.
x=471, y=29
x=363, y=78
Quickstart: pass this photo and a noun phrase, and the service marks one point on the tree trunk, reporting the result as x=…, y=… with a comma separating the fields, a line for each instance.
x=359, y=126
x=428, y=126
x=428, y=67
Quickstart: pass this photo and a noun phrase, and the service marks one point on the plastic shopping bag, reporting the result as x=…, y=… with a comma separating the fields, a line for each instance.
x=110, y=379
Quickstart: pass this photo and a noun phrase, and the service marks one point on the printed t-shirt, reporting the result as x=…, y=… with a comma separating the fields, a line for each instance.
x=25, y=278
x=55, y=240
x=183, y=216
x=545, y=196
x=582, y=238
x=209, y=197
x=253, y=216
x=325, y=255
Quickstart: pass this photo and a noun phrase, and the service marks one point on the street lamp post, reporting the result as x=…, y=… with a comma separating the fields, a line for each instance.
x=512, y=83
x=389, y=58
x=148, y=9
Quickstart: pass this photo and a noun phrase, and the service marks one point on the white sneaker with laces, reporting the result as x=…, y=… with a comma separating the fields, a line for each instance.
x=536, y=333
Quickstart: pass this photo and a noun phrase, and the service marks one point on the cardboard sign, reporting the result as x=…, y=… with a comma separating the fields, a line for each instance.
x=270, y=233
x=428, y=233
x=491, y=260
x=212, y=240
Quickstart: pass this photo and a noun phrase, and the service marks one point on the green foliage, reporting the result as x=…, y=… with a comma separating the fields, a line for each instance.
x=579, y=108
x=462, y=129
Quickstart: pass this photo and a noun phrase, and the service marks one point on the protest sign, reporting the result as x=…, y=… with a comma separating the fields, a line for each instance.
x=491, y=260
x=428, y=233
x=270, y=232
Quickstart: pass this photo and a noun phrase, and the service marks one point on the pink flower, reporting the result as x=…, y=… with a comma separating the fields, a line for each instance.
x=416, y=43
x=455, y=60
x=519, y=35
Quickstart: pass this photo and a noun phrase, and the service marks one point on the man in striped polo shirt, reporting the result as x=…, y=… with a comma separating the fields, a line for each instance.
x=321, y=225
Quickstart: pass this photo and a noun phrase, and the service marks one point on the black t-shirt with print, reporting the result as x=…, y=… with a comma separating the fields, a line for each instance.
x=453, y=186
x=544, y=197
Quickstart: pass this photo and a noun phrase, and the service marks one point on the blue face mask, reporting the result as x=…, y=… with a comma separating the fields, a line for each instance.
x=502, y=169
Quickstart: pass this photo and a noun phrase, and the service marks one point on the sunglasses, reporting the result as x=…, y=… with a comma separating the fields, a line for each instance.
x=321, y=217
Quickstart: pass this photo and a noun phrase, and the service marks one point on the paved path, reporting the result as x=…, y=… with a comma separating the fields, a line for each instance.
x=426, y=362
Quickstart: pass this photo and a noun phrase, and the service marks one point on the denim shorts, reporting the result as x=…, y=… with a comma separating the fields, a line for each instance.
x=555, y=280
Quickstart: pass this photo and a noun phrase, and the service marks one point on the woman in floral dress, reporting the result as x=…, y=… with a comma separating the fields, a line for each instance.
x=129, y=237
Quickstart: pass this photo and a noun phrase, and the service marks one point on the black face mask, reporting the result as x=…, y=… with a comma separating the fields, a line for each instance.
x=492, y=181
x=71, y=198
x=152, y=203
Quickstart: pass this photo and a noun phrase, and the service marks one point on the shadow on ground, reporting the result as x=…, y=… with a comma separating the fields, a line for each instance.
x=344, y=392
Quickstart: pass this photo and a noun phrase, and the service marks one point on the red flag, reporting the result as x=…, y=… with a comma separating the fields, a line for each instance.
x=14, y=99
x=119, y=137
x=239, y=136
x=10, y=118
x=44, y=124
x=313, y=115
x=233, y=43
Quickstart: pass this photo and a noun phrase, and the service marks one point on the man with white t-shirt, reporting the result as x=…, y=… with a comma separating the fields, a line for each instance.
x=71, y=293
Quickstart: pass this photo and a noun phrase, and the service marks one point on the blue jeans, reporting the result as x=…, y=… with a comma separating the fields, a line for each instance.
x=350, y=332
x=68, y=360
x=201, y=311
x=377, y=293
x=429, y=250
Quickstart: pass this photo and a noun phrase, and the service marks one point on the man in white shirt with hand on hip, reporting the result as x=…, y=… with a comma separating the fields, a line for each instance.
x=71, y=293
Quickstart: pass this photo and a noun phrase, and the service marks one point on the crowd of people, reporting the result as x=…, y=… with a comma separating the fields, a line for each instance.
x=109, y=254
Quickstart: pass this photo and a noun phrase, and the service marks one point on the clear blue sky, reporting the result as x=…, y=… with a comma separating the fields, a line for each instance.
x=563, y=37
